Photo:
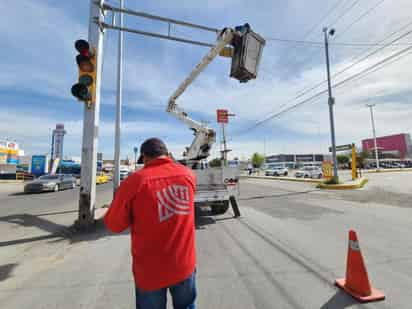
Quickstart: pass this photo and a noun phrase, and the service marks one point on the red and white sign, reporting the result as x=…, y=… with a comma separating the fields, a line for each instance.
x=222, y=115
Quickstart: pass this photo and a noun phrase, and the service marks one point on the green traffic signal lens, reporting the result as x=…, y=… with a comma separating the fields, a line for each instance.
x=81, y=92
x=86, y=80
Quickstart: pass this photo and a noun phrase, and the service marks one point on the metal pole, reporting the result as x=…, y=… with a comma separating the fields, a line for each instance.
x=160, y=18
x=87, y=197
x=374, y=134
x=224, y=145
x=116, y=178
x=331, y=102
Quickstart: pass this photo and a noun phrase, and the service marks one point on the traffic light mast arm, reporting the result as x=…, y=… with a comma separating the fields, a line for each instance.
x=204, y=136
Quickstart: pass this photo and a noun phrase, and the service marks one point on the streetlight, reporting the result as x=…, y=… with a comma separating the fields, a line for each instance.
x=331, y=102
x=374, y=134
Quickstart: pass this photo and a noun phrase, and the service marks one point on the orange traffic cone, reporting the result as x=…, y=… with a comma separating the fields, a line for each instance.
x=357, y=282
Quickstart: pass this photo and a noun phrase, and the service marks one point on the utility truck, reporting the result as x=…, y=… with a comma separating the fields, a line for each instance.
x=217, y=186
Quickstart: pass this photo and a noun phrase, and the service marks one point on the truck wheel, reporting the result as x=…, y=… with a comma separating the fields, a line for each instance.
x=220, y=208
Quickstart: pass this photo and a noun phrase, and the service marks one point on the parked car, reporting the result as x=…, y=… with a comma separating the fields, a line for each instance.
x=276, y=171
x=309, y=172
x=54, y=183
x=101, y=178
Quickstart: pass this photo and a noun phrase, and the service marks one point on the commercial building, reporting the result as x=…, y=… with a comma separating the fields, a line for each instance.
x=297, y=160
x=392, y=146
x=10, y=154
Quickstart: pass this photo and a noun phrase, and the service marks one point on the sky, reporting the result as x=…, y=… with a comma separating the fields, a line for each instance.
x=38, y=69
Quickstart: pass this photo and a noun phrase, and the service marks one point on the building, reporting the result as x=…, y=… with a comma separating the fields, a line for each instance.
x=57, y=142
x=10, y=154
x=297, y=160
x=392, y=146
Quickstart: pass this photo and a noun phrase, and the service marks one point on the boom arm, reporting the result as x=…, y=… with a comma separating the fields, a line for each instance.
x=204, y=136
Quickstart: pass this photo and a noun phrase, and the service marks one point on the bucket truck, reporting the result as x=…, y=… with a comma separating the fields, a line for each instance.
x=216, y=186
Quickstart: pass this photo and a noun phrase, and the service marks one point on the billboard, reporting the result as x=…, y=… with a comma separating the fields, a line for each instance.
x=39, y=165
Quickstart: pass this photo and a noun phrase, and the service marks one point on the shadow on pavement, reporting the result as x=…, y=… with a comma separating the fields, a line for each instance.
x=54, y=231
x=6, y=270
x=258, y=197
x=340, y=300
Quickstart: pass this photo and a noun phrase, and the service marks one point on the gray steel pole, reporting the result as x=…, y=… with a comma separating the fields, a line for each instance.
x=116, y=178
x=374, y=134
x=224, y=145
x=87, y=197
x=331, y=102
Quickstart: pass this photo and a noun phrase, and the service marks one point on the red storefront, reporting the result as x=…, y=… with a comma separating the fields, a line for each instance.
x=399, y=143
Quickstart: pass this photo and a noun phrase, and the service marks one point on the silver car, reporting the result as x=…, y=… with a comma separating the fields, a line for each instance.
x=51, y=183
x=309, y=172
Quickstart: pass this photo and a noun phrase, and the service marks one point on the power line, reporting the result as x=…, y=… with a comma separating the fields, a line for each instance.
x=369, y=70
x=354, y=63
x=366, y=13
x=345, y=12
x=321, y=44
x=306, y=91
x=316, y=25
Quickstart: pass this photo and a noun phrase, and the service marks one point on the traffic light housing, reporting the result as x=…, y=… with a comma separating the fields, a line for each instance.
x=248, y=47
x=85, y=89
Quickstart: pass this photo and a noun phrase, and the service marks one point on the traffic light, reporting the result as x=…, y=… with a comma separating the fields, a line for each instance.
x=85, y=89
x=248, y=47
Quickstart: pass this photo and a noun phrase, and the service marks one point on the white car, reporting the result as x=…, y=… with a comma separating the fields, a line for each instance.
x=309, y=172
x=124, y=174
x=276, y=171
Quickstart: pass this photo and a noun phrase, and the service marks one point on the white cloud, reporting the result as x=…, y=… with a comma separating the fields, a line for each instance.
x=153, y=73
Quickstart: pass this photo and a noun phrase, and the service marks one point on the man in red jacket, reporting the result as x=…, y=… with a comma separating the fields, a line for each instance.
x=157, y=204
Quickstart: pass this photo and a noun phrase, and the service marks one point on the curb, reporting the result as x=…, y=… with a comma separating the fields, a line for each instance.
x=351, y=186
x=11, y=181
x=394, y=170
x=318, y=181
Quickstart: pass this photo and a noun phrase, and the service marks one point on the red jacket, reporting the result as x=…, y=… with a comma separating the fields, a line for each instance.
x=157, y=203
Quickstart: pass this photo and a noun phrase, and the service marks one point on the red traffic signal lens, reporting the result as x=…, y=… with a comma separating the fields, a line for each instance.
x=81, y=92
x=84, y=63
x=82, y=46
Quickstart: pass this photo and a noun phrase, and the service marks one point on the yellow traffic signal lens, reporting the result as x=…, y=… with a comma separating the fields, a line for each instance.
x=85, y=64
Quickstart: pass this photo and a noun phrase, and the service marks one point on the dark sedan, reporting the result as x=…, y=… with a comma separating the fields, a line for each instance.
x=51, y=183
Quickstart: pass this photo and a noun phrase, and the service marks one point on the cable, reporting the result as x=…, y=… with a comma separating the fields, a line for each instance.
x=366, y=13
x=353, y=64
x=346, y=12
x=313, y=28
x=371, y=69
x=321, y=44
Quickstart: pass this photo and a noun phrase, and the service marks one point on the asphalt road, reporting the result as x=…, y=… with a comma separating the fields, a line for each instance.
x=285, y=251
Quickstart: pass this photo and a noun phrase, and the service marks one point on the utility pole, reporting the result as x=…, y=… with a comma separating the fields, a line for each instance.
x=116, y=178
x=87, y=196
x=331, y=102
x=374, y=134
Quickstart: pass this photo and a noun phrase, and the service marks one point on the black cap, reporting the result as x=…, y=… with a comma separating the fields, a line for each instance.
x=153, y=148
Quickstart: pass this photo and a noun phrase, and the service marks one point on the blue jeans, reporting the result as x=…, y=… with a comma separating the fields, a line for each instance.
x=183, y=296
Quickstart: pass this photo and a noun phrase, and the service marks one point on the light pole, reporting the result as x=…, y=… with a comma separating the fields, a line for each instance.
x=116, y=178
x=374, y=134
x=331, y=102
x=135, y=150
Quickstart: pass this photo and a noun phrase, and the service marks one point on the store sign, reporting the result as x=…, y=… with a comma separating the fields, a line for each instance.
x=342, y=147
x=222, y=115
x=327, y=169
